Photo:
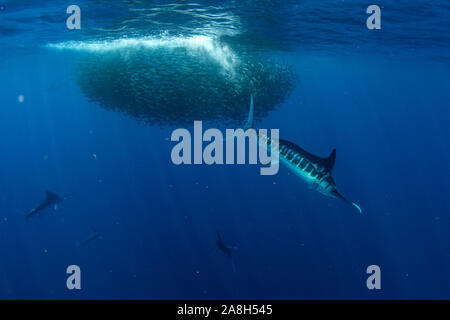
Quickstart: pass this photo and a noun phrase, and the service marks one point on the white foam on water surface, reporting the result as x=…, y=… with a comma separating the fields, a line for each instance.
x=219, y=52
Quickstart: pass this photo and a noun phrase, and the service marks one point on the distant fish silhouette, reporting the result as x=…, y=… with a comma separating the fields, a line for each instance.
x=51, y=200
x=93, y=236
x=228, y=250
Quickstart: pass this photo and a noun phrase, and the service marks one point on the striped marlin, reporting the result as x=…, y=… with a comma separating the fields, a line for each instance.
x=314, y=170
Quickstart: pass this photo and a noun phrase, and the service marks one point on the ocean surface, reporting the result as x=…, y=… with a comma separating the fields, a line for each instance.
x=88, y=114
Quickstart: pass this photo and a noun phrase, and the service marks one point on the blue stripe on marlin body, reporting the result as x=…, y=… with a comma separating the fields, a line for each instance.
x=314, y=170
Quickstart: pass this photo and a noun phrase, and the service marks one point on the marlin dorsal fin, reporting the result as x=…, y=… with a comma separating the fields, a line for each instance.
x=329, y=162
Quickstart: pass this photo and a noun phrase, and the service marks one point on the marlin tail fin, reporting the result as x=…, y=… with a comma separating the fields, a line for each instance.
x=249, y=123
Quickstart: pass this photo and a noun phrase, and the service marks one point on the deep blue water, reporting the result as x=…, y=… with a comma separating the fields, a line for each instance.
x=380, y=97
